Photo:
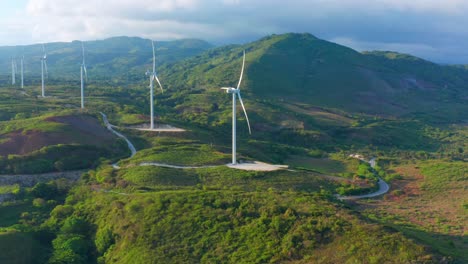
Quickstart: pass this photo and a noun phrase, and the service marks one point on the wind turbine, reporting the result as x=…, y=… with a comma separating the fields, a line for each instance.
x=43, y=67
x=153, y=77
x=14, y=68
x=22, y=72
x=236, y=93
x=83, y=71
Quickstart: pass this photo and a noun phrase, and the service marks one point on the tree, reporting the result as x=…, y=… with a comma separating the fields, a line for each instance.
x=70, y=249
x=104, y=239
x=44, y=190
x=75, y=225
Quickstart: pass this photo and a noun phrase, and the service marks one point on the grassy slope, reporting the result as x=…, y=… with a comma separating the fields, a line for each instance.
x=429, y=204
x=321, y=111
x=234, y=227
x=304, y=69
x=37, y=141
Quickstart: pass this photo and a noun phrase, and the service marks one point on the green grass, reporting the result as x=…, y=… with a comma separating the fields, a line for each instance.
x=322, y=165
x=236, y=227
x=447, y=245
x=429, y=207
x=30, y=124
x=180, y=152
x=452, y=246
x=131, y=119
x=437, y=175
x=157, y=177
x=232, y=179
x=222, y=178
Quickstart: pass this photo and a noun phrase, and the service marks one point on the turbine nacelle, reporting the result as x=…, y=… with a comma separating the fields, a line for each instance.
x=230, y=90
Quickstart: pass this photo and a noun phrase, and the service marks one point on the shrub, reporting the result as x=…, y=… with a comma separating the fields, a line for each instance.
x=104, y=239
x=316, y=153
x=44, y=190
x=61, y=212
x=70, y=249
x=75, y=225
x=39, y=202
x=105, y=174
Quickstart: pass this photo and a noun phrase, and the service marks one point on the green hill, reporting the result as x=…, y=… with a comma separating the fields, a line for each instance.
x=300, y=68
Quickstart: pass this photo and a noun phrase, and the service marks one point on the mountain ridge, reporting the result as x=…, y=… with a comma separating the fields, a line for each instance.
x=303, y=68
x=108, y=57
x=297, y=67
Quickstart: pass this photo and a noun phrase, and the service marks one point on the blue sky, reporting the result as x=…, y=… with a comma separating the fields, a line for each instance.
x=432, y=29
x=10, y=7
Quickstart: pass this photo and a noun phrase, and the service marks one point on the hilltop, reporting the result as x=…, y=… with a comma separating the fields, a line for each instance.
x=300, y=68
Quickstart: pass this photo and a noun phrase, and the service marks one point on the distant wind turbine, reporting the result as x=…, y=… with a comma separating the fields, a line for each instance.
x=43, y=68
x=14, y=68
x=22, y=71
x=236, y=92
x=83, y=71
x=153, y=77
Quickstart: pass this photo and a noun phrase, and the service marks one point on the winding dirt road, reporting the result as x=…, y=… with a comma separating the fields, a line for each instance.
x=110, y=127
x=383, y=187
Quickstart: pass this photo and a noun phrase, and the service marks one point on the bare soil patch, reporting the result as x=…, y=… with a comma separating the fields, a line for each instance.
x=441, y=213
x=84, y=130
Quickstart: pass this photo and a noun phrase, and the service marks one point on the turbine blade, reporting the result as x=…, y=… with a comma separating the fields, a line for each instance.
x=245, y=112
x=44, y=51
x=45, y=67
x=85, y=72
x=82, y=51
x=154, y=57
x=242, y=71
x=156, y=78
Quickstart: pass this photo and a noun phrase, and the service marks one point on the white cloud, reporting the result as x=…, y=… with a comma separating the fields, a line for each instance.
x=104, y=7
x=405, y=25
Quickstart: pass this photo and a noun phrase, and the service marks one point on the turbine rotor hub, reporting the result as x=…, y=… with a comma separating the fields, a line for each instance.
x=231, y=90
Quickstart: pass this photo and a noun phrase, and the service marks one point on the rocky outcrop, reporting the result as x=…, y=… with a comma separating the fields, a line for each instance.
x=29, y=180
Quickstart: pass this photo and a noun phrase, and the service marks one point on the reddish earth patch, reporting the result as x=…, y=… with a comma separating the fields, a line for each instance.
x=84, y=124
x=84, y=130
x=409, y=201
x=21, y=143
x=409, y=185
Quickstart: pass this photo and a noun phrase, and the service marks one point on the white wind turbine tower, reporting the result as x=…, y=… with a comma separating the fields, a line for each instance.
x=83, y=71
x=22, y=71
x=236, y=92
x=14, y=68
x=43, y=68
x=153, y=77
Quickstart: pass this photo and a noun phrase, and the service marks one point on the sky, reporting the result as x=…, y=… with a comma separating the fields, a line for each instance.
x=435, y=30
